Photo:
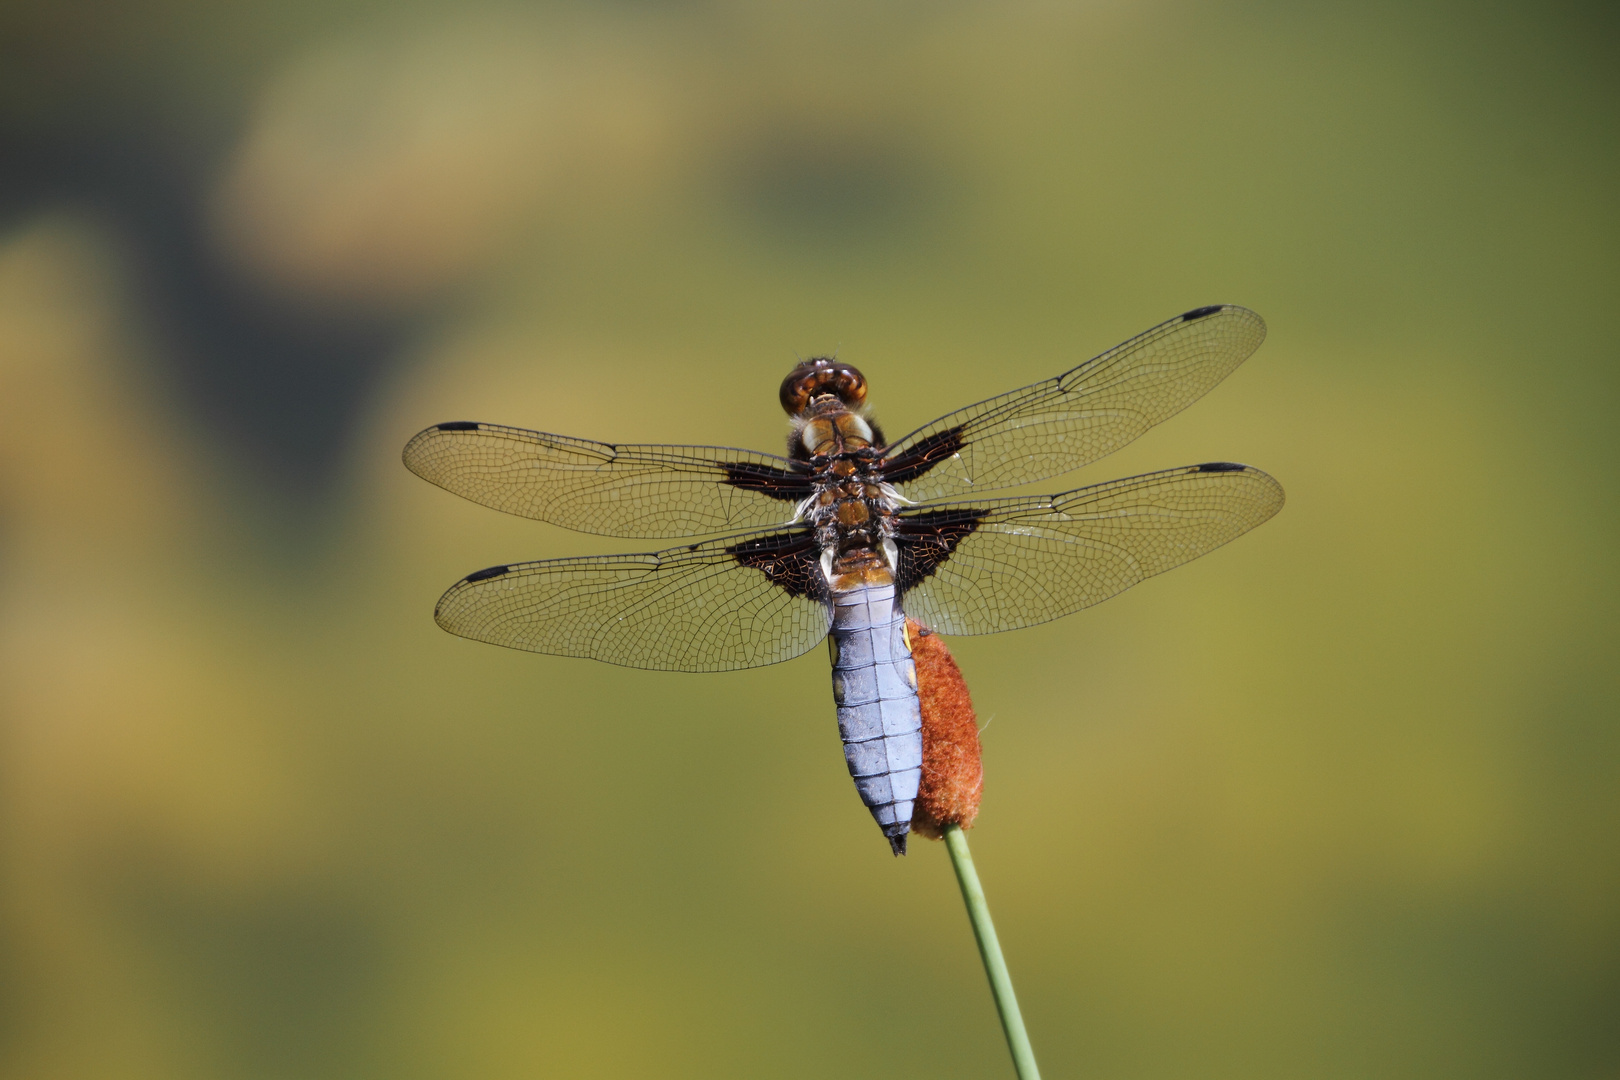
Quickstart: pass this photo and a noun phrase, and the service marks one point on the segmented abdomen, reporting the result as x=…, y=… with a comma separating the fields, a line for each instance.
x=875, y=686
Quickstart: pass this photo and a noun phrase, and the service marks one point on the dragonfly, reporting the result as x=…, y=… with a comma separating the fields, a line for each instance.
x=849, y=533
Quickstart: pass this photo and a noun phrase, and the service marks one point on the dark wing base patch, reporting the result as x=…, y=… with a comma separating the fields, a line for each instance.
x=790, y=561
x=927, y=539
x=923, y=456
x=773, y=483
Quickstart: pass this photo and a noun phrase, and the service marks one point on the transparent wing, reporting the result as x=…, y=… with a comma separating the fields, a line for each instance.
x=1073, y=419
x=1006, y=563
x=609, y=490
x=735, y=602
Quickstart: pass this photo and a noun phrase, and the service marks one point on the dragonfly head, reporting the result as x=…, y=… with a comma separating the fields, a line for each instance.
x=819, y=377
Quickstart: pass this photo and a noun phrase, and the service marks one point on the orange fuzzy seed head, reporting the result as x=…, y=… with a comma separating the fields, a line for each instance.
x=952, y=775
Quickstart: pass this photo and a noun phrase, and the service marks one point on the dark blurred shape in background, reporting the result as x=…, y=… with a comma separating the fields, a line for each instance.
x=1341, y=800
x=286, y=243
x=94, y=123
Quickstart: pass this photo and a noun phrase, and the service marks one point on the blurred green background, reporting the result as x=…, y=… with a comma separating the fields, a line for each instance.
x=1338, y=800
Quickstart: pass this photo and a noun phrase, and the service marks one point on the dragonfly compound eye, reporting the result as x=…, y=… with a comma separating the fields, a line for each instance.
x=819, y=376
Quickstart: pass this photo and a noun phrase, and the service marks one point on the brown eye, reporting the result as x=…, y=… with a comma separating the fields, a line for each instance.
x=822, y=375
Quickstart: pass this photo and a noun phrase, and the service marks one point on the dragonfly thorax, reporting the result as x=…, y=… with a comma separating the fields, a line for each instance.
x=852, y=513
x=850, y=509
x=830, y=432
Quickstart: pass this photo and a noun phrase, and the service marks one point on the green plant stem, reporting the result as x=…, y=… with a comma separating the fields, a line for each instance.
x=1012, y=1021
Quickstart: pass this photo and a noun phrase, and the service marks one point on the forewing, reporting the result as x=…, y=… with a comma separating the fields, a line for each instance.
x=610, y=490
x=736, y=602
x=1005, y=563
x=1073, y=419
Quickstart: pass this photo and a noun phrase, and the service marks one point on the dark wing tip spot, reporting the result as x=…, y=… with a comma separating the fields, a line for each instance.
x=485, y=575
x=1200, y=312
x=1221, y=466
x=457, y=425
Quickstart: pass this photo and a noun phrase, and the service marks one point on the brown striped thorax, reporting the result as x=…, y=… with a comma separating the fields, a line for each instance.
x=851, y=509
